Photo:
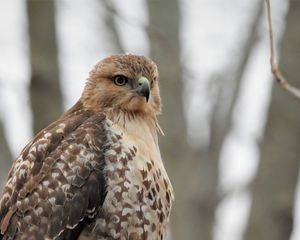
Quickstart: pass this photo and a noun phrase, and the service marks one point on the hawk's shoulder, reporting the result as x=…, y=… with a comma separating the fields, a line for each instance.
x=58, y=172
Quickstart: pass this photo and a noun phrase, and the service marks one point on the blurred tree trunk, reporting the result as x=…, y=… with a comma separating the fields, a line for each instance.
x=111, y=25
x=46, y=97
x=193, y=177
x=274, y=188
x=5, y=158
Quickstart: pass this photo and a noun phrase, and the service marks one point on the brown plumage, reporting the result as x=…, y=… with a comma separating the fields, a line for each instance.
x=96, y=172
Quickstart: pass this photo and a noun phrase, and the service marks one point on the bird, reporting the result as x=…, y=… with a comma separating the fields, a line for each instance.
x=96, y=172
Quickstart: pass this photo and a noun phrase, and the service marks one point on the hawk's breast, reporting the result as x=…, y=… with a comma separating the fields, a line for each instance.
x=139, y=193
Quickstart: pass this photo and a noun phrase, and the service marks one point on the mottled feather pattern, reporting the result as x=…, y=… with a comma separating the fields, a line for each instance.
x=57, y=180
x=138, y=200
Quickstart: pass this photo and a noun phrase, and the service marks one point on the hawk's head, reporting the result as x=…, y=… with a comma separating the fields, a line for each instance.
x=124, y=82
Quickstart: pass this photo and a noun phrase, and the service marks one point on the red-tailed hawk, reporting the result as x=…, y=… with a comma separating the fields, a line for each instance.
x=96, y=172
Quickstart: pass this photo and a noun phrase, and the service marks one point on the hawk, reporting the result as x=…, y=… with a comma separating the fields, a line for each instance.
x=96, y=172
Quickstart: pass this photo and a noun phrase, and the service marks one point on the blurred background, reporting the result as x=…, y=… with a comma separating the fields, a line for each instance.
x=232, y=139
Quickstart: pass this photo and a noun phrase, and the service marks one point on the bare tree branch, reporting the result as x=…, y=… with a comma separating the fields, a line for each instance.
x=274, y=66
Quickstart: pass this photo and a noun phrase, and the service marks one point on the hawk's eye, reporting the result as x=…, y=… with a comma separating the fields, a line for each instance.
x=120, y=80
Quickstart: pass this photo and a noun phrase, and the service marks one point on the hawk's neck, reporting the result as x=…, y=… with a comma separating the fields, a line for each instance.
x=139, y=127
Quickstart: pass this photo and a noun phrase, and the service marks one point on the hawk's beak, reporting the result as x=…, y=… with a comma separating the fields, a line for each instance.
x=143, y=88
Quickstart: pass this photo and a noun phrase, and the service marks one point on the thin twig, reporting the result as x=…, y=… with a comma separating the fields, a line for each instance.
x=274, y=66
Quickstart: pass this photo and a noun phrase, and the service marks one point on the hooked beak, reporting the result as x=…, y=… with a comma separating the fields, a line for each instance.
x=143, y=88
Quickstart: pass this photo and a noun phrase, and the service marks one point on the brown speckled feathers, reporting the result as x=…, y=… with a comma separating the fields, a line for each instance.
x=96, y=172
x=57, y=180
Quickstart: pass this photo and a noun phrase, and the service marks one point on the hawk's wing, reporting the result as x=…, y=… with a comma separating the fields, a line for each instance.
x=56, y=184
